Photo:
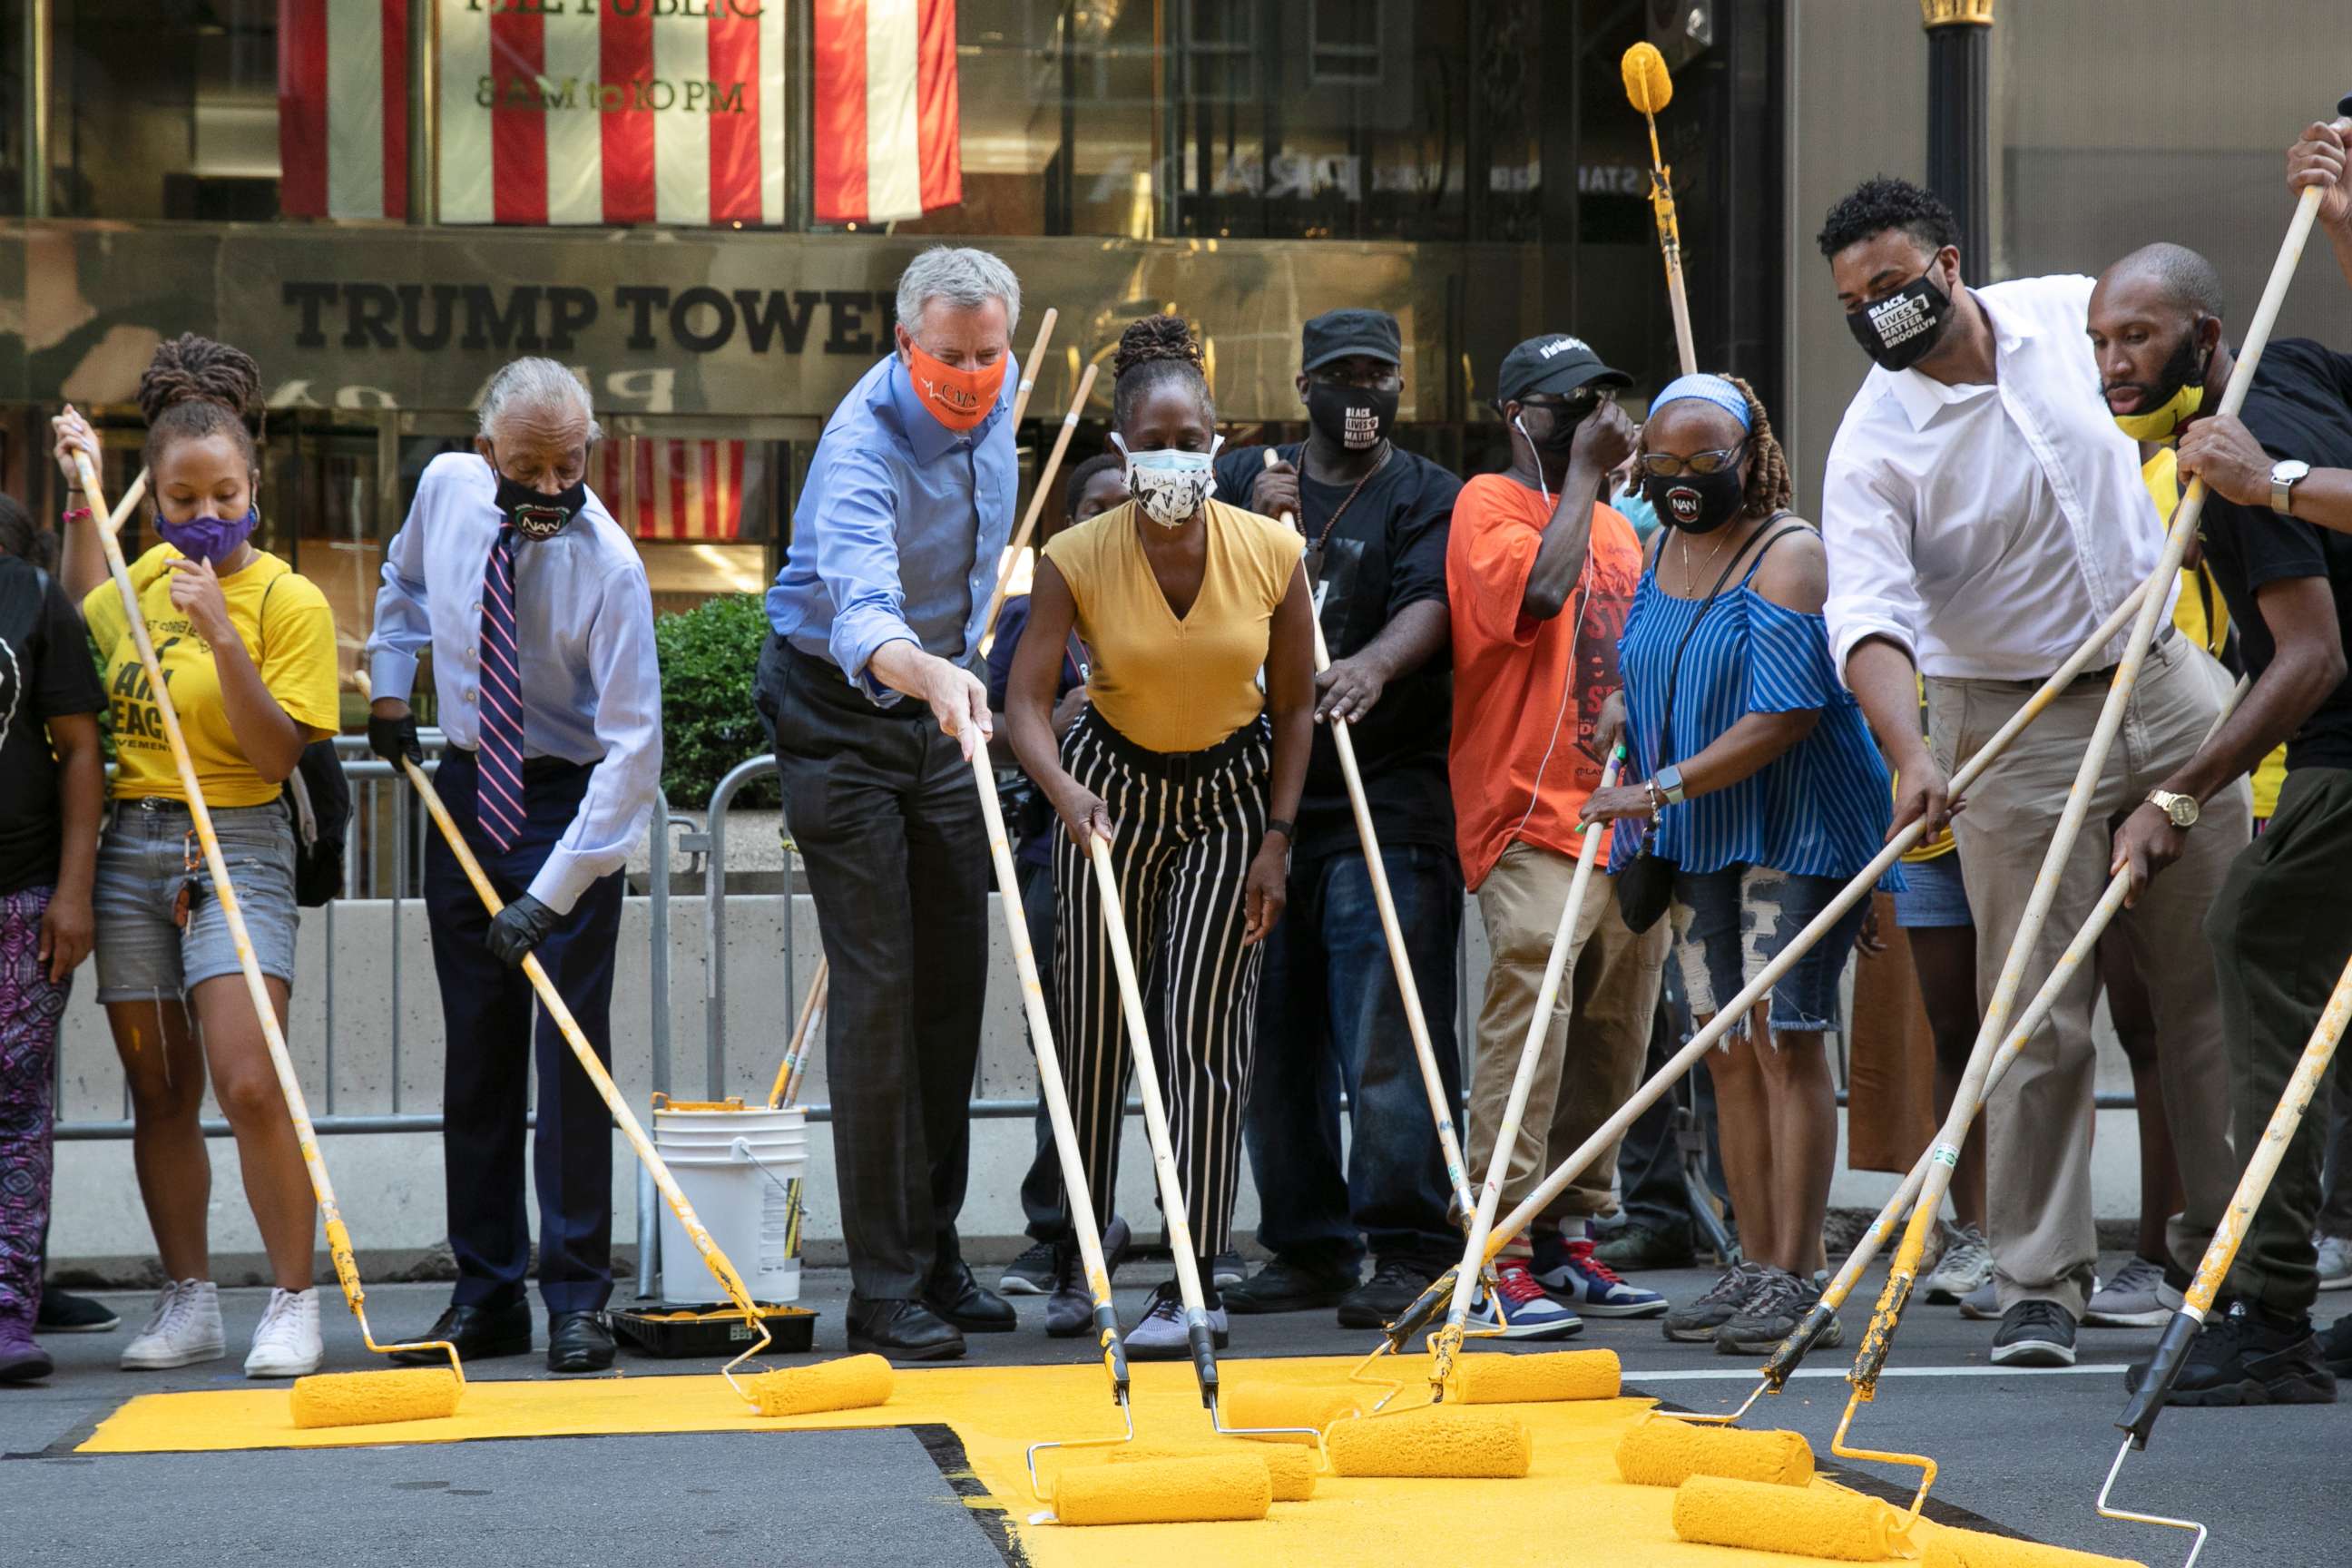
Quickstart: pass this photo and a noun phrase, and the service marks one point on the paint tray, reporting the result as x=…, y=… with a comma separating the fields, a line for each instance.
x=711, y=1329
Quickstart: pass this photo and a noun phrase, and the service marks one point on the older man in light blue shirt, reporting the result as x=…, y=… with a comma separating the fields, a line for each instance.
x=895, y=541
x=534, y=605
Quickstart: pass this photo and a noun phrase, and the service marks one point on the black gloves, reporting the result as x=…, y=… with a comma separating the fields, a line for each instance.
x=393, y=739
x=523, y=925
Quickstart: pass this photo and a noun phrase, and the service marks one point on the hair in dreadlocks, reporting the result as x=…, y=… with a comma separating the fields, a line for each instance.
x=21, y=536
x=1152, y=351
x=1768, y=490
x=195, y=387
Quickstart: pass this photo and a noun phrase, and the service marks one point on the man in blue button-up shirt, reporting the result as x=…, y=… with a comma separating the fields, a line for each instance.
x=896, y=542
x=534, y=605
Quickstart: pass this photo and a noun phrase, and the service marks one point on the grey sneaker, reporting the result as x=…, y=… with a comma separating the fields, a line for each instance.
x=1696, y=1321
x=1031, y=1273
x=1764, y=1320
x=1160, y=1335
x=2035, y=1333
x=1982, y=1304
x=184, y=1327
x=1637, y=1247
x=2136, y=1298
x=1070, y=1308
x=1966, y=1264
x=2334, y=1261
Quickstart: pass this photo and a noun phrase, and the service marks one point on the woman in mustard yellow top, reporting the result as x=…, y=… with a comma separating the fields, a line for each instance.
x=247, y=652
x=1179, y=601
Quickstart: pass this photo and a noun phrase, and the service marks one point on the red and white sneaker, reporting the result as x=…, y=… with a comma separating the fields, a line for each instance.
x=1528, y=1312
x=1570, y=1273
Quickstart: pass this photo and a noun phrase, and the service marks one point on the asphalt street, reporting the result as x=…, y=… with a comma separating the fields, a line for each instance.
x=2022, y=1451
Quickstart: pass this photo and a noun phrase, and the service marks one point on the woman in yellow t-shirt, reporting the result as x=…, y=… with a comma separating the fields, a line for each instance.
x=247, y=652
x=1179, y=601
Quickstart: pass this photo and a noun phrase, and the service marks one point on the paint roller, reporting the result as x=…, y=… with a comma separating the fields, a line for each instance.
x=801, y=1391
x=1446, y=1344
x=1425, y=1306
x=1651, y=88
x=1816, y=1521
x=1537, y=1378
x=335, y=1399
x=1660, y=1451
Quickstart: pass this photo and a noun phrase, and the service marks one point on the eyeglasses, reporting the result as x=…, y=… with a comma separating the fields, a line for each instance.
x=1365, y=380
x=1666, y=466
x=1573, y=409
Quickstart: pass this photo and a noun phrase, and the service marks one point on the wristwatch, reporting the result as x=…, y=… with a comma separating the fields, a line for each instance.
x=1669, y=780
x=2284, y=476
x=2181, y=810
x=1284, y=825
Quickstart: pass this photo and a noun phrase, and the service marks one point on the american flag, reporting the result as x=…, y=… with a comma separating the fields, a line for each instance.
x=672, y=488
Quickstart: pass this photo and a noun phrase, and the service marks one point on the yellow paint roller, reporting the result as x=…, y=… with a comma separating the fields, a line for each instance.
x=1650, y=88
x=851, y=1382
x=1295, y=1413
x=1541, y=1378
x=1818, y=1520
x=1663, y=1452
x=1216, y=1487
x=1291, y=1469
x=1974, y=1549
x=1446, y=1344
x=1436, y=1441
x=339, y=1399
x=551, y=1003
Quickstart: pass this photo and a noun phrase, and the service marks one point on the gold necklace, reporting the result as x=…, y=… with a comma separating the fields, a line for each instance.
x=1689, y=579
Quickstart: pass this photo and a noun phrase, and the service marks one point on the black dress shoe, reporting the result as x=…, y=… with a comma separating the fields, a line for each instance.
x=967, y=1303
x=578, y=1341
x=903, y=1330
x=478, y=1333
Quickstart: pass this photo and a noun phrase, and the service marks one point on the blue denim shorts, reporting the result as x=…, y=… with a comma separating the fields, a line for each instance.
x=1730, y=923
x=1933, y=895
x=142, y=861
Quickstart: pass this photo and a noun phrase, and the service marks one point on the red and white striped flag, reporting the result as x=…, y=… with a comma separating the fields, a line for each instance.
x=342, y=108
x=682, y=489
x=612, y=117
x=889, y=127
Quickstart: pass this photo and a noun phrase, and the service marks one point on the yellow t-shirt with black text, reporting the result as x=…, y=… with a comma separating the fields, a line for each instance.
x=288, y=632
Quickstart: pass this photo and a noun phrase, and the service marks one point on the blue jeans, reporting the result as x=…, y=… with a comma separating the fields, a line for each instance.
x=1330, y=1017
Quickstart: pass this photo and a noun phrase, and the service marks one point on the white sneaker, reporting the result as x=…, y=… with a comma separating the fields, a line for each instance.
x=1966, y=1264
x=2334, y=1261
x=183, y=1329
x=2136, y=1298
x=285, y=1345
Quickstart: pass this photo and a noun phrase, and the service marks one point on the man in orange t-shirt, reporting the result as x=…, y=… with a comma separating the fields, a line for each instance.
x=1540, y=576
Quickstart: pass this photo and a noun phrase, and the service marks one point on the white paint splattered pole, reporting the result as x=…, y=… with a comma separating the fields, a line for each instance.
x=339, y=1238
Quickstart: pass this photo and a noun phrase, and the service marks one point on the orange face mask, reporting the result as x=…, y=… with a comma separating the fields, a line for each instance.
x=957, y=399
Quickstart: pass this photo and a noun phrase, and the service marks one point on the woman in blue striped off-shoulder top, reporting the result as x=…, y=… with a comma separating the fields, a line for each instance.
x=1760, y=784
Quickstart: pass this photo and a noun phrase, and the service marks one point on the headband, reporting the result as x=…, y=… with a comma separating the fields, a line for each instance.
x=1712, y=389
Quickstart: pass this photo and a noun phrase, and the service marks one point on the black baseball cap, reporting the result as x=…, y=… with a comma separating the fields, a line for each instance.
x=1555, y=362
x=1336, y=334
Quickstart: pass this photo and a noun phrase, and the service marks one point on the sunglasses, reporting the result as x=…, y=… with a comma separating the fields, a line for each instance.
x=1573, y=409
x=1667, y=466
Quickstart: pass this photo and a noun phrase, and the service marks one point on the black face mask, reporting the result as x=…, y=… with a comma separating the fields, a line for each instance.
x=1898, y=330
x=537, y=515
x=1358, y=418
x=1697, y=504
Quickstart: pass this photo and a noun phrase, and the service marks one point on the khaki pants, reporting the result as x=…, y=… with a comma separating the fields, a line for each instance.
x=1591, y=1062
x=2038, y=1168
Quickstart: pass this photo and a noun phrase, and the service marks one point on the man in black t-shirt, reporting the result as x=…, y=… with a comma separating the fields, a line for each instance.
x=2279, y=927
x=1330, y=1014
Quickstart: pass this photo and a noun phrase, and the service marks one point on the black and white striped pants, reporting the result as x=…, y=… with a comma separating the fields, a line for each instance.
x=1186, y=828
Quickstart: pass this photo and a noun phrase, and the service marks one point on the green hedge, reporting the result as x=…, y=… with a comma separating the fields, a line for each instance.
x=708, y=656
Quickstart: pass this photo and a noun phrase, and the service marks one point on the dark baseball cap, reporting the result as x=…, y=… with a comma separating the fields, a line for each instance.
x=1336, y=334
x=1555, y=362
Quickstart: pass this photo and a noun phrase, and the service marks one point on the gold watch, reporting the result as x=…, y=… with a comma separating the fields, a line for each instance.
x=2181, y=810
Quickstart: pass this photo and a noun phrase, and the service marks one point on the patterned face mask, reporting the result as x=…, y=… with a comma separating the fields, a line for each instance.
x=1168, y=485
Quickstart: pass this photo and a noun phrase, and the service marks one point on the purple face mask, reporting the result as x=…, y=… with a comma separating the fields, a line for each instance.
x=212, y=538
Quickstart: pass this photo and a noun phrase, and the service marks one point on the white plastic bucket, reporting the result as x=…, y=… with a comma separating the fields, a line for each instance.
x=734, y=1166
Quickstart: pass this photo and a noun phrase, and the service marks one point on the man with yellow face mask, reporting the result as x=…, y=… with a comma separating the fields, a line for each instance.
x=907, y=509
x=2279, y=926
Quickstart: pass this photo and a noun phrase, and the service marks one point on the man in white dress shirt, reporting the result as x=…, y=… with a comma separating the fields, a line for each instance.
x=1983, y=515
x=534, y=605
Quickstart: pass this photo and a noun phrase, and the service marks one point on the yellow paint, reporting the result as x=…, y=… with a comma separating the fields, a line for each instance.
x=1572, y=1492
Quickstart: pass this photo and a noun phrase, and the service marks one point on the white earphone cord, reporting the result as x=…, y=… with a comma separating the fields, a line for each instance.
x=1567, y=680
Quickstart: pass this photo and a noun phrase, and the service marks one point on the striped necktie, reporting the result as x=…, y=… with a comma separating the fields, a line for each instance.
x=499, y=739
